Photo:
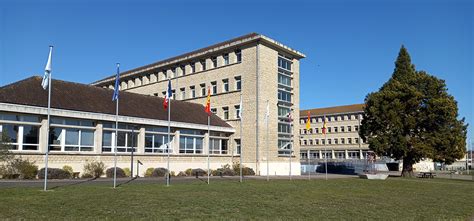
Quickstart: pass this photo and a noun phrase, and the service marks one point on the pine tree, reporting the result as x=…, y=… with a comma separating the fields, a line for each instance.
x=412, y=117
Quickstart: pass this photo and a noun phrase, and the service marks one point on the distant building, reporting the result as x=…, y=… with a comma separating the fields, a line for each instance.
x=253, y=66
x=342, y=140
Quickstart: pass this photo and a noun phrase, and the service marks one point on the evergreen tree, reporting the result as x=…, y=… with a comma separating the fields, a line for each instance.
x=412, y=117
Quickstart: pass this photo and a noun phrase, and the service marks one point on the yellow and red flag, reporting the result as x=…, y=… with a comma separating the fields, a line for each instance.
x=324, y=125
x=208, y=102
x=308, y=122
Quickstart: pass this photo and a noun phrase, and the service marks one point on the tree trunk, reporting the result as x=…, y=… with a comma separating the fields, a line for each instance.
x=407, y=170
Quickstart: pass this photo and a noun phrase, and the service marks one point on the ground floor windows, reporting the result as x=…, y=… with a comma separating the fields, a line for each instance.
x=218, y=146
x=284, y=147
x=157, y=143
x=353, y=154
x=237, y=145
x=190, y=145
x=20, y=137
x=126, y=141
x=71, y=139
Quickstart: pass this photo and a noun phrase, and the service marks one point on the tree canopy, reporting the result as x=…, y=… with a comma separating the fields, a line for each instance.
x=412, y=117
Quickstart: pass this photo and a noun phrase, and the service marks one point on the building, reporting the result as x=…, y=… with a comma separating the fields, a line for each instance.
x=258, y=69
x=83, y=128
x=342, y=140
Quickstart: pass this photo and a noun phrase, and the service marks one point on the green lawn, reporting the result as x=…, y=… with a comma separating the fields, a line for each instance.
x=393, y=199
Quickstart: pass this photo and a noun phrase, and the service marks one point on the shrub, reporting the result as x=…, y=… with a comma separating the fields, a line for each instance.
x=19, y=168
x=86, y=176
x=173, y=173
x=68, y=169
x=109, y=173
x=127, y=171
x=159, y=172
x=54, y=173
x=149, y=172
x=181, y=173
x=188, y=171
x=246, y=171
x=94, y=169
x=198, y=172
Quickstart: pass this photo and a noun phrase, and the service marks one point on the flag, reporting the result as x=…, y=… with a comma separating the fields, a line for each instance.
x=168, y=95
x=324, y=126
x=288, y=115
x=208, y=102
x=116, y=88
x=308, y=122
x=47, y=70
x=240, y=108
x=267, y=113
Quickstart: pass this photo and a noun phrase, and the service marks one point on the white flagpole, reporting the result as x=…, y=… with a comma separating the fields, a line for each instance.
x=116, y=134
x=291, y=144
x=267, y=114
x=325, y=149
x=169, y=138
x=241, y=143
x=49, y=122
x=208, y=147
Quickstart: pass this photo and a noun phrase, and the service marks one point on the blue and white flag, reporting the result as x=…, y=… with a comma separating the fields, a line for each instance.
x=115, y=96
x=169, y=93
x=47, y=71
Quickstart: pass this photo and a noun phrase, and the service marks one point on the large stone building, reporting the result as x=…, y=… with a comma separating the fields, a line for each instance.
x=342, y=140
x=253, y=66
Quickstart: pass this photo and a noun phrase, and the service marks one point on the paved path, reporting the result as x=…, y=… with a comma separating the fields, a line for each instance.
x=52, y=184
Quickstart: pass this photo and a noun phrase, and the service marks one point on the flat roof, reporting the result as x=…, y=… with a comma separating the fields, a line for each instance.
x=196, y=54
x=87, y=98
x=333, y=110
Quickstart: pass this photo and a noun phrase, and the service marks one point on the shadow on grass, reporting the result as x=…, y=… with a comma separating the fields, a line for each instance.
x=128, y=181
x=73, y=184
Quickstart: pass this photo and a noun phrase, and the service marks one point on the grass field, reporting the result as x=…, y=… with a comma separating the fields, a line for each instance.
x=393, y=199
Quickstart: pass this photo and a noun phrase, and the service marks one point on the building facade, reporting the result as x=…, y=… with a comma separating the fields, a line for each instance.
x=258, y=69
x=83, y=128
x=342, y=140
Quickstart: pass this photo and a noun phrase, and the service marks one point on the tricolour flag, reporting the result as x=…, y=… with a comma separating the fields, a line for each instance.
x=169, y=93
x=115, y=96
x=208, y=102
x=324, y=125
x=308, y=122
x=47, y=70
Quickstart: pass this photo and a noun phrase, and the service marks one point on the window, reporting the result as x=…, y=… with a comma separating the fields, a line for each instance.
x=226, y=59
x=349, y=128
x=237, y=145
x=335, y=129
x=173, y=96
x=316, y=130
x=238, y=54
x=20, y=137
x=127, y=138
x=203, y=90
x=214, y=110
x=218, y=146
x=305, y=142
x=226, y=113
x=237, y=111
x=225, y=85
x=336, y=141
x=203, y=65
x=349, y=140
x=310, y=142
x=356, y=140
x=284, y=79
x=157, y=143
x=214, y=87
x=329, y=141
x=183, y=93
x=283, y=111
x=284, y=96
x=214, y=62
x=329, y=129
x=316, y=141
x=339, y=154
x=192, y=91
x=183, y=70
x=353, y=154
x=238, y=83
x=303, y=155
x=356, y=128
x=342, y=128
x=173, y=72
x=284, y=147
x=190, y=145
x=283, y=128
x=343, y=140
x=284, y=63
x=193, y=67
x=323, y=141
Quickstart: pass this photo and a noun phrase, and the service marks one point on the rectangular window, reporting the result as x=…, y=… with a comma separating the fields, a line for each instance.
x=237, y=145
x=20, y=137
x=238, y=54
x=335, y=129
x=284, y=147
x=203, y=64
x=336, y=141
x=192, y=91
x=316, y=141
x=349, y=128
x=343, y=140
x=214, y=87
x=238, y=83
x=225, y=85
x=329, y=129
x=349, y=140
x=284, y=96
x=214, y=62
x=284, y=79
x=356, y=128
x=356, y=140
x=329, y=141
x=126, y=140
x=342, y=128
x=190, y=145
x=193, y=67
x=203, y=90
x=157, y=143
x=226, y=59
x=283, y=111
x=183, y=70
x=214, y=110
x=316, y=130
x=237, y=111
x=284, y=63
x=226, y=113
x=284, y=128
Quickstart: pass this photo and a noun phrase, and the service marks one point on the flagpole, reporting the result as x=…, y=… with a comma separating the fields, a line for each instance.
x=325, y=148
x=291, y=145
x=208, y=147
x=267, y=116
x=241, y=143
x=116, y=132
x=49, y=122
x=169, y=138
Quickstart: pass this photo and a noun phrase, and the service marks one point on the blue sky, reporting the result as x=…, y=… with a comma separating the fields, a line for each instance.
x=351, y=46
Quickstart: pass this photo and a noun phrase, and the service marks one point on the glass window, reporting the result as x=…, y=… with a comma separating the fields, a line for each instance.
x=283, y=128
x=226, y=113
x=238, y=83
x=156, y=143
x=349, y=128
x=283, y=111
x=30, y=137
x=237, y=111
x=183, y=93
x=284, y=147
x=237, y=145
x=218, y=146
x=55, y=138
x=284, y=63
x=225, y=85
x=284, y=96
x=214, y=62
x=226, y=59
x=284, y=79
x=193, y=67
x=238, y=54
x=190, y=145
x=183, y=70
x=203, y=89
x=203, y=65
x=193, y=91
x=214, y=87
